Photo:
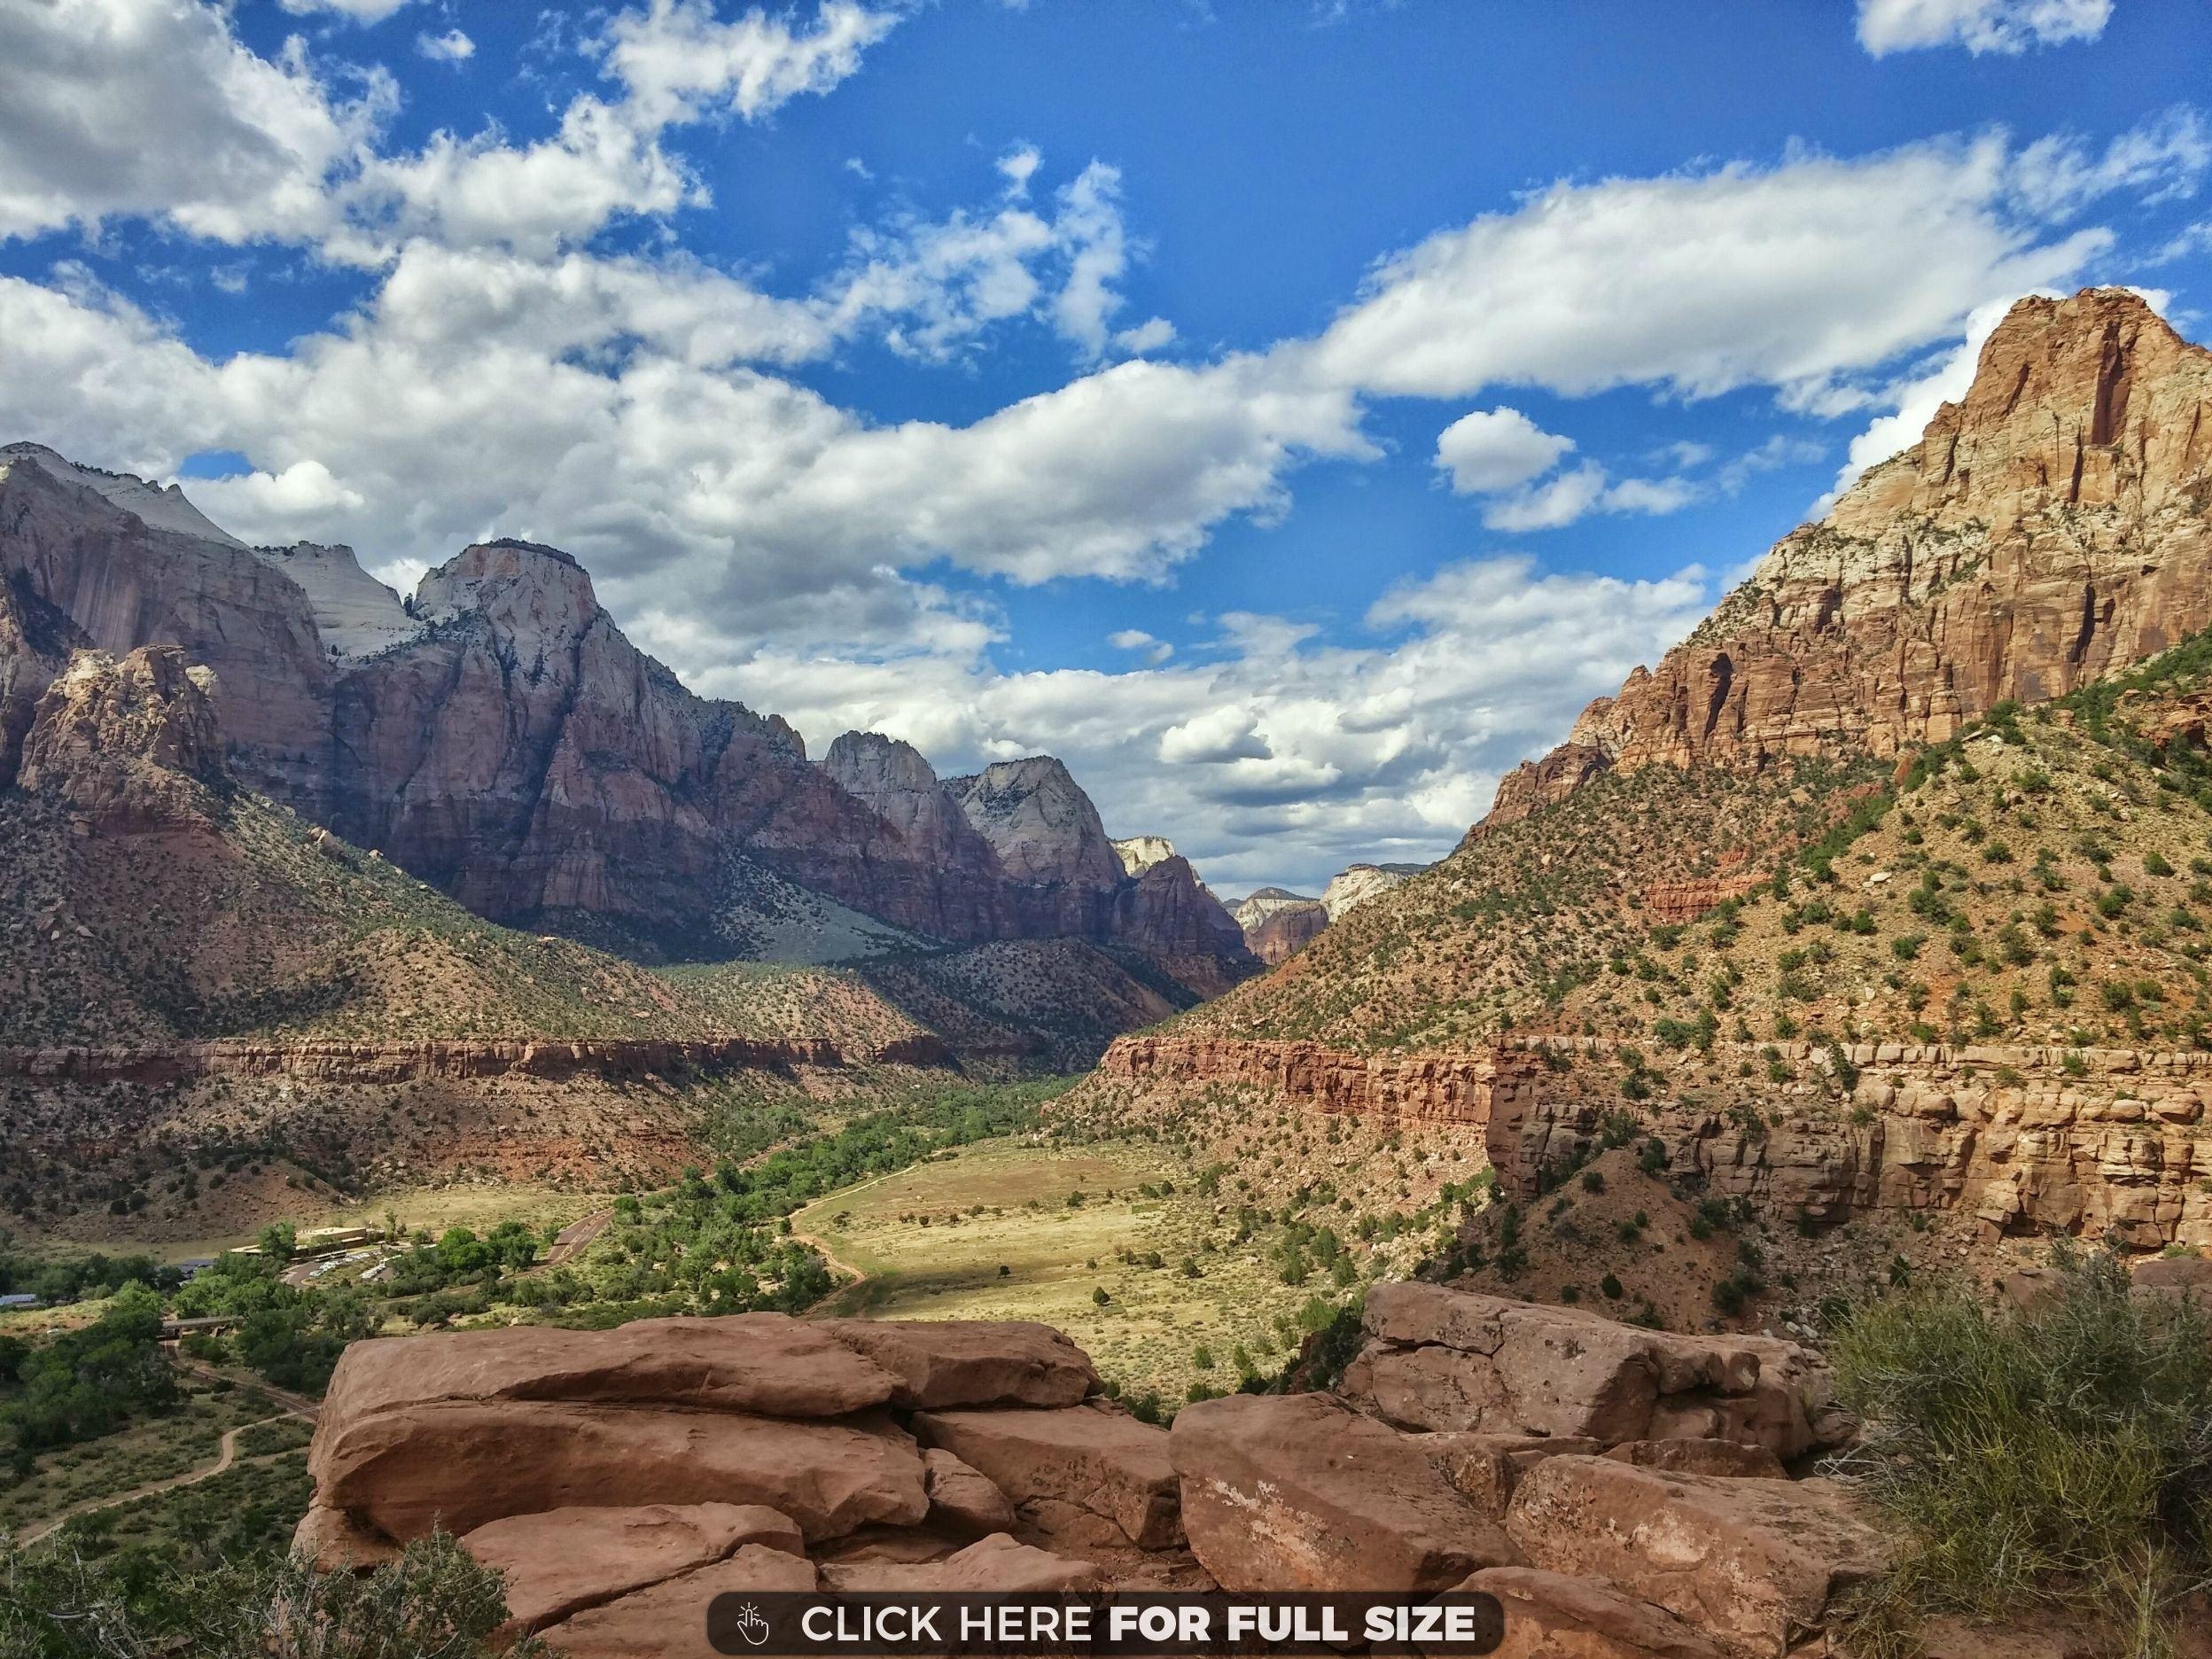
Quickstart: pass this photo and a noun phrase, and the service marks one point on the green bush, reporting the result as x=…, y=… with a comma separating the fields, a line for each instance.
x=2055, y=1458
x=433, y=1602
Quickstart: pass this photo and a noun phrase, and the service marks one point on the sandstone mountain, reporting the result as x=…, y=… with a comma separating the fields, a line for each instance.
x=1277, y=921
x=1884, y=891
x=2049, y=527
x=497, y=735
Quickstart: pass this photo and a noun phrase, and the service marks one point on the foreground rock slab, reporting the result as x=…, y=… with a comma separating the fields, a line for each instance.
x=938, y=1364
x=1301, y=1492
x=668, y=1620
x=1096, y=1458
x=1753, y=1563
x=563, y=1561
x=459, y=1466
x=765, y=1363
x=1550, y=1615
x=1438, y=1358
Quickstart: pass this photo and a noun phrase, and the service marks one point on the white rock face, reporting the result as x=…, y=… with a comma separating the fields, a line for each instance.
x=161, y=507
x=357, y=615
x=1249, y=913
x=1361, y=883
x=1139, y=853
x=1042, y=826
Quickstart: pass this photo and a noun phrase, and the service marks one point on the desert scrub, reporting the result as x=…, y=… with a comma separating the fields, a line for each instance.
x=2056, y=1458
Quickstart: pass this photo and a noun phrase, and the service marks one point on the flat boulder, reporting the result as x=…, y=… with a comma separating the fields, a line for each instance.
x=996, y=1564
x=1301, y=1492
x=459, y=1464
x=1484, y=1468
x=2174, y=1279
x=668, y=1620
x=962, y=1499
x=940, y=1363
x=1441, y=1359
x=1754, y=1564
x=769, y=1364
x=1729, y=1458
x=1550, y=1615
x=1095, y=1457
x=562, y=1560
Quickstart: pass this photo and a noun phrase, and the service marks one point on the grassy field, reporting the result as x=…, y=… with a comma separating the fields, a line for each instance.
x=924, y=1251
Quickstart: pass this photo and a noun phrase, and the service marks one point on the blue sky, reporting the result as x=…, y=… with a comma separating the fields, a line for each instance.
x=1289, y=413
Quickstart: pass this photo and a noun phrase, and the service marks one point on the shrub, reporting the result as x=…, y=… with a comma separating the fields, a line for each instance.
x=2056, y=1458
x=432, y=1601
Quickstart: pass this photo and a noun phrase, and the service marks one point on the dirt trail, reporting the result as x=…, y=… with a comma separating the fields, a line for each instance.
x=226, y=1455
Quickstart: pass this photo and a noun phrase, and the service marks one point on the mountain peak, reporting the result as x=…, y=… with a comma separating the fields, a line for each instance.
x=525, y=589
x=157, y=506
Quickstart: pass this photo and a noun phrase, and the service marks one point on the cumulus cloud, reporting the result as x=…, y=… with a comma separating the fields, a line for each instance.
x=2010, y=27
x=1279, y=757
x=451, y=47
x=680, y=61
x=113, y=108
x=357, y=11
x=1699, y=282
x=942, y=284
x=155, y=108
x=1490, y=450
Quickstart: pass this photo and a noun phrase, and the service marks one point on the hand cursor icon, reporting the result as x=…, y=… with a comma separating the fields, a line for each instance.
x=749, y=1625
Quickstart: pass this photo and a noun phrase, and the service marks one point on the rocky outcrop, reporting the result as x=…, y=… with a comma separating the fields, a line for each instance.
x=1358, y=883
x=36, y=643
x=128, y=746
x=1437, y=1358
x=1465, y=1088
x=1302, y=1493
x=2047, y=528
x=1139, y=853
x=2106, y=1144
x=620, y=1479
x=357, y=616
x=1167, y=916
x=1285, y=930
x=330, y=1060
x=2102, y=1142
x=1754, y=1565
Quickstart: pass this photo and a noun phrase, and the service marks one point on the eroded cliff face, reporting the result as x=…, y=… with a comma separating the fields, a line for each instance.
x=2047, y=527
x=74, y=539
x=2106, y=1144
x=127, y=745
x=500, y=737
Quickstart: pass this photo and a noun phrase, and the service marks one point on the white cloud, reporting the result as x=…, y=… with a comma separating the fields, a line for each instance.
x=1279, y=757
x=1699, y=282
x=1154, y=650
x=940, y=284
x=155, y=108
x=114, y=108
x=680, y=61
x=1495, y=449
x=1585, y=490
x=451, y=47
x=357, y=11
x=1980, y=26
